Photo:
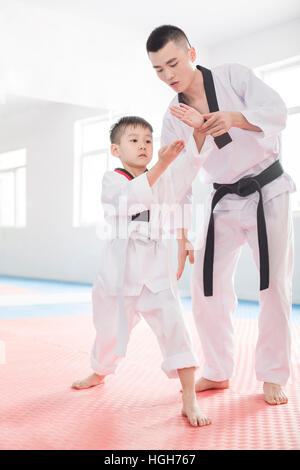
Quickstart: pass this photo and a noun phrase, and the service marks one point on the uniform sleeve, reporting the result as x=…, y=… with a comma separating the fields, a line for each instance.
x=264, y=107
x=182, y=171
x=126, y=197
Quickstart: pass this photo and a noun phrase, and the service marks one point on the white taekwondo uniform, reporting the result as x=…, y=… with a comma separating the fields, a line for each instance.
x=235, y=221
x=135, y=276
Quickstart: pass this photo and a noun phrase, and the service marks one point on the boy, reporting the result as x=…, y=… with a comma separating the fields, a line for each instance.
x=134, y=277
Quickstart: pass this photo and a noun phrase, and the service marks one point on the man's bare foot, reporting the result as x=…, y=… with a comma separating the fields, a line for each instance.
x=191, y=410
x=89, y=381
x=274, y=395
x=205, y=384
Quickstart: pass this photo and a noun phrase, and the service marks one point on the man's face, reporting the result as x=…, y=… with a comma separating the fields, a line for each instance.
x=174, y=65
x=135, y=146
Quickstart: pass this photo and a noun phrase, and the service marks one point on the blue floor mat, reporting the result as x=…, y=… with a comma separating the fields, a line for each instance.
x=245, y=309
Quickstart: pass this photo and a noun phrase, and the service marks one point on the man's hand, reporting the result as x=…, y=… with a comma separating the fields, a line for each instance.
x=168, y=153
x=188, y=115
x=216, y=123
x=185, y=249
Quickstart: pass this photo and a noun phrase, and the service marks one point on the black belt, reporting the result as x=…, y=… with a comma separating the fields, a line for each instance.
x=243, y=187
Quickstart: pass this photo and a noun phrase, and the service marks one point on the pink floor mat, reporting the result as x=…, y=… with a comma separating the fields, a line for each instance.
x=139, y=407
x=12, y=290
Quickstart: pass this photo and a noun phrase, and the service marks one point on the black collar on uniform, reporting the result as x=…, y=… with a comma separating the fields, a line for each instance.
x=212, y=101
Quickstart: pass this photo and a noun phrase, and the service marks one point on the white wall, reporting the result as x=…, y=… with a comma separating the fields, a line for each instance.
x=268, y=46
x=264, y=47
x=48, y=247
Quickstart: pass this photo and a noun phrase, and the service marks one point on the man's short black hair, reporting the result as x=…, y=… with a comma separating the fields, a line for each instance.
x=118, y=129
x=163, y=34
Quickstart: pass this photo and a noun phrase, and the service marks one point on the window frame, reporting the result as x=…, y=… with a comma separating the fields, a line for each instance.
x=14, y=170
x=273, y=67
x=79, y=155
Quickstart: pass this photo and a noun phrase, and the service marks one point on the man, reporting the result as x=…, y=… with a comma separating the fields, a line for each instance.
x=239, y=118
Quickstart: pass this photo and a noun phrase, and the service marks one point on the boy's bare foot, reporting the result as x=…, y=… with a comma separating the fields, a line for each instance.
x=274, y=395
x=191, y=410
x=205, y=384
x=89, y=381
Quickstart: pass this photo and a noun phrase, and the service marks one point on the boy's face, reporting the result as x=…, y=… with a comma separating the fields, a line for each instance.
x=174, y=65
x=135, y=148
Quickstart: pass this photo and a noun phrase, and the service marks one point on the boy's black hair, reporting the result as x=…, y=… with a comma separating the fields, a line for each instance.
x=118, y=129
x=163, y=34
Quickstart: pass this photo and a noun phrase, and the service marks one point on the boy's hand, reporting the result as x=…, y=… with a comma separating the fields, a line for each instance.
x=168, y=153
x=188, y=115
x=185, y=249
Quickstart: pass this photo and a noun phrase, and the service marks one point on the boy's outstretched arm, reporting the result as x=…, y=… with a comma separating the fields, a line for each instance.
x=137, y=192
x=166, y=156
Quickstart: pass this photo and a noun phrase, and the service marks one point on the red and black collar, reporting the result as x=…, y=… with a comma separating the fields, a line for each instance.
x=141, y=216
x=126, y=173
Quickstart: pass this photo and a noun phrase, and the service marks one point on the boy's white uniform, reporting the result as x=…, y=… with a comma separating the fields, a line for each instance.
x=235, y=219
x=135, y=275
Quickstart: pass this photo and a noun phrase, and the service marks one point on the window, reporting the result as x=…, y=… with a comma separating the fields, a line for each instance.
x=156, y=123
x=92, y=159
x=156, y=147
x=284, y=77
x=13, y=188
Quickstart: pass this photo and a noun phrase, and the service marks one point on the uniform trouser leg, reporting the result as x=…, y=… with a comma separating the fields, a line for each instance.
x=103, y=358
x=273, y=349
x=164, y=315
x=213, y=315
